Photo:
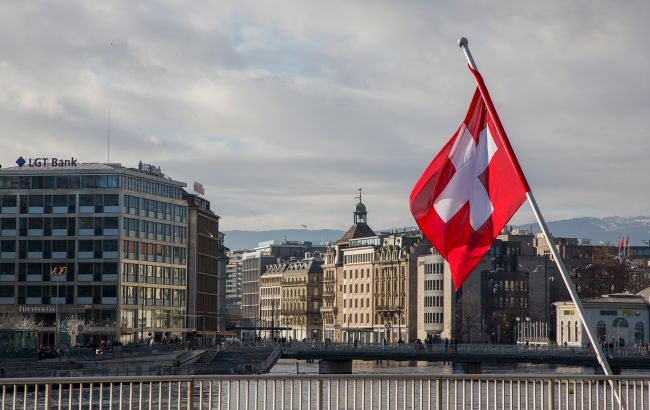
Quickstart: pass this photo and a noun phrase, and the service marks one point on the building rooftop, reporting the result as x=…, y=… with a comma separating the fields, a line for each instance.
x=143, y=170
x=358, y=230
x=88, y=166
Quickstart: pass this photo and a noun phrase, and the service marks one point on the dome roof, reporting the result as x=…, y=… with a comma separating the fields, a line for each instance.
x=361, y=208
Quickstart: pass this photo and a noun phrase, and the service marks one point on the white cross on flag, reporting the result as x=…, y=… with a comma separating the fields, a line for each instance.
x=470, y=190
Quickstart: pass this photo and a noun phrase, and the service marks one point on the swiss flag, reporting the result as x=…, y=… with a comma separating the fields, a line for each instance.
x=470, y=190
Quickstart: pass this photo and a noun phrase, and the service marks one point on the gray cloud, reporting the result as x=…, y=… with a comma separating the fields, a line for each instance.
x=284, y=109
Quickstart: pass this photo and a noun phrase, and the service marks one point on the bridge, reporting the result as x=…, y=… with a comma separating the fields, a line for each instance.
x=338, y=357
x=318, y=392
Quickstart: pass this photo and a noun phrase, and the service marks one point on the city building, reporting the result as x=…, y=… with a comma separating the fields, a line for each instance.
x=394, y=286
x=233, y=289
x=302, y=290
x=432, y=276
x=620, y=320
x=253, y=264
x=100, y=242
x=354, y=254
x=234, y=278
x=206, y=298
x=329, y=308
x=511, y=281
x=271, y=299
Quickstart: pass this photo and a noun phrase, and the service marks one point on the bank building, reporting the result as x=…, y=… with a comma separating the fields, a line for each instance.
x=102, y=242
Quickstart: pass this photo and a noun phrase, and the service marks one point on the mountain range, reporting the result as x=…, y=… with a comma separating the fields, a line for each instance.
x=605, y=230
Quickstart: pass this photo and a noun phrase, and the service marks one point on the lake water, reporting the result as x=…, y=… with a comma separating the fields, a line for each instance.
x=288, y=367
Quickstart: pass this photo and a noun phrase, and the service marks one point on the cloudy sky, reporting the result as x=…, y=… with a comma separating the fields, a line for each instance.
x=282, y=109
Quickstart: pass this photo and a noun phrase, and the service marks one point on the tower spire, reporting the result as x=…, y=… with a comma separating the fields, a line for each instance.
x=360, y=213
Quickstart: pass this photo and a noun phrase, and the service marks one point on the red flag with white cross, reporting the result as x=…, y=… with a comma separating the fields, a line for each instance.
x=470, y=190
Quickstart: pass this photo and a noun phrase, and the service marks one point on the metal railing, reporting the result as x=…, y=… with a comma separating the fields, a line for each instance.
x=486, y=348
x=327, y=392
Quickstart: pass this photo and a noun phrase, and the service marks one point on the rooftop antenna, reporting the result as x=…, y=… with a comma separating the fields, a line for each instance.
x=108, y=139
x=358, y=197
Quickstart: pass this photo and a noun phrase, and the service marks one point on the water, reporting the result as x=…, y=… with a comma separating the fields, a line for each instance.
x=288, y=367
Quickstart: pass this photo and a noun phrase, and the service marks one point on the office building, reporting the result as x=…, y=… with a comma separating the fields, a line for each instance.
x=434, y=290
x=234, y=278
x=206, y=300
x=271, y=299
x=301, y=300
x=116, y=237
x=355, y=252
x=253, y=264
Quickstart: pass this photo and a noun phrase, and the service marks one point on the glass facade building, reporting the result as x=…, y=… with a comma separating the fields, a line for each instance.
x=117, y=237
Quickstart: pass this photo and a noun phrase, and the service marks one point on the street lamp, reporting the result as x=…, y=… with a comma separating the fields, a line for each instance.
x=142, y=317
x=58, y=272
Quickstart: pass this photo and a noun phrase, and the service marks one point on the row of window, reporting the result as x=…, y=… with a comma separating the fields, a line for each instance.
x=430, y=268
x=60, y=204
x=137, y=318
x=136, y=228
x=47, y=294
x=433, y=318
x=510, y=302
x=162, y=275
x=90, y=181
x=149, y=296
x=357, y=288
x=96, y=269
x=357, y=319
x=433, y=301
x=58, y=182
x=431, y=284
x=359, y=258
x=153, y=252
x=57, y=249
x=150, y=187
x=357, y=303
x=59, y=226
x=358, y=273
x=155, y=209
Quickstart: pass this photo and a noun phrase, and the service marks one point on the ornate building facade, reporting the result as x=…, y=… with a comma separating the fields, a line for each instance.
x=329, y=309
x=302, y=296
x=395, y=286
x=271, y=299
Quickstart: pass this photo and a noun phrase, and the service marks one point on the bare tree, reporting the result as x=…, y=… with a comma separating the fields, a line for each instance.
x=16, y=321
x=608, y=274
x=74, y=325
x=468, y=319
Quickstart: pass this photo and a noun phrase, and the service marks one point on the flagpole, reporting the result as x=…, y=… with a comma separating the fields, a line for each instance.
x=463, y=43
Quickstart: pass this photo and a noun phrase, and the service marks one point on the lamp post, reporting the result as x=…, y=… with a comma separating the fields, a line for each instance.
x=58, y=272
x=142, y=295
x=518, y=330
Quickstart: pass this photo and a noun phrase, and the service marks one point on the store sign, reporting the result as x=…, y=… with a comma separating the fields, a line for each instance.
x=44, y=162
x=150, y=169
x=37, y=309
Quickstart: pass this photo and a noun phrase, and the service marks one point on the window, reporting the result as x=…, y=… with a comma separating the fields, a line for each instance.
x=601, y=331
x=619, y=322
x=639, y=333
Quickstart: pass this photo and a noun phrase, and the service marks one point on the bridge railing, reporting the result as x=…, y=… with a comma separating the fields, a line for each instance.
x=460, y=348
x=328, y=392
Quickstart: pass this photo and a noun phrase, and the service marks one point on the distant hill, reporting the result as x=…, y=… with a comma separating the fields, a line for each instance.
x=606, y=230
x=249, y=239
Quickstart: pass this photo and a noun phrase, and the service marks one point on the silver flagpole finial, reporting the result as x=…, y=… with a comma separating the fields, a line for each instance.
x=464, y=44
